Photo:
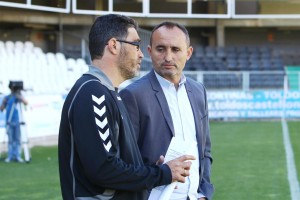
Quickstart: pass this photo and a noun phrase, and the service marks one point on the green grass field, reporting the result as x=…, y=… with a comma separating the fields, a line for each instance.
x=249, y=163
x=37, y=180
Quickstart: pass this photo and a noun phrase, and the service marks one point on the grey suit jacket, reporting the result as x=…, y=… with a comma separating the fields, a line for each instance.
x=151, y=118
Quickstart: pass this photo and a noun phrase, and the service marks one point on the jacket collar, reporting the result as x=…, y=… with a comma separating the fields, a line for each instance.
x=95, y=71
x=161, y=100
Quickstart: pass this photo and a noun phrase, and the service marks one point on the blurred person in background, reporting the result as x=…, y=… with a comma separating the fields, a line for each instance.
x=11, y=103
x=98, y=153
x=165, y=104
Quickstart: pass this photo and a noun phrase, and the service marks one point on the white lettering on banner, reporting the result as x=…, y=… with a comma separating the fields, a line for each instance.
x=221, y=114
x=267, y=113
x=236, y=105
x=229, y=95
x=253, y=104
x=293, y=95
x=291, y=113
x=279, y=95
x=273, y=95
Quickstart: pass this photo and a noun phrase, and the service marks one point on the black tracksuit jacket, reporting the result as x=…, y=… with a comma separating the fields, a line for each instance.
x=98, y=154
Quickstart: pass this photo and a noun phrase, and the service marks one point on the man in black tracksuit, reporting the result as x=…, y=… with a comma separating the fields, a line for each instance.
x=98, y=153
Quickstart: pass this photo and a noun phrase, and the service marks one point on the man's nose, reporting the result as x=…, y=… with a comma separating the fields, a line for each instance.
x=141, y=55
x=168, y=56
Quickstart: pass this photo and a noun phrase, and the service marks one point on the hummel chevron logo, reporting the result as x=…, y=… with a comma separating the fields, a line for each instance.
x=101, y=124
x=98, y=100
x=100, y=111
x=104, y=135
x=108, y=146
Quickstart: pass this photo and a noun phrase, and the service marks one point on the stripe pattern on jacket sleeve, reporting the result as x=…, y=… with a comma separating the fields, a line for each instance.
x=100, y=110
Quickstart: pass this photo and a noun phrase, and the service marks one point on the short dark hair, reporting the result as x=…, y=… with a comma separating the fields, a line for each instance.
x=171, y=25
x=106, y=27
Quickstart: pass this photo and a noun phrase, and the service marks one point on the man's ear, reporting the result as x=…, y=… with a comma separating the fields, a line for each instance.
x=189, y=52
x=112, y=46
x=149, y=49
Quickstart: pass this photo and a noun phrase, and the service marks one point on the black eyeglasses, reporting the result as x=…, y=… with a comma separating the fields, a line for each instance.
x=137, y=44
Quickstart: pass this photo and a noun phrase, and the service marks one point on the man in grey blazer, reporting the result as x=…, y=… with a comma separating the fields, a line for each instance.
x=165, y=104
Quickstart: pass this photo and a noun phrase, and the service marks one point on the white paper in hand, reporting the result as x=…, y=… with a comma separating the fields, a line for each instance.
x=177, y=148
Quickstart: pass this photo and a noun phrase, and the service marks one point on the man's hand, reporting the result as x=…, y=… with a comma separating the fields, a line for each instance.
x=180, y=167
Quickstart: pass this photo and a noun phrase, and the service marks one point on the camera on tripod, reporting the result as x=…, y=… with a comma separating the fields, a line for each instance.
x=15, y=86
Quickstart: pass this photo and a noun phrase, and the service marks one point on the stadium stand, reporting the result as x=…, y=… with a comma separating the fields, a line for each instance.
x=264, y=63
x=237, y=59
x=38, y=70
x=241, y=48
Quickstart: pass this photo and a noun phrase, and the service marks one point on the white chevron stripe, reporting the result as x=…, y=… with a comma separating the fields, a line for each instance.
x=100, y=112
x=104, y=135
x=101, y=124
x=98, y=100
x=108, y=146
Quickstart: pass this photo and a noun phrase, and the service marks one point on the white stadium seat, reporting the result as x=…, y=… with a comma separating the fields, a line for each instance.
x=28, y=45
x=42, y=73
x=19, y=45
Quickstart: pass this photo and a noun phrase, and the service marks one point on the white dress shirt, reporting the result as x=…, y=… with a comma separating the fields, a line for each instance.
x=184, y=127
